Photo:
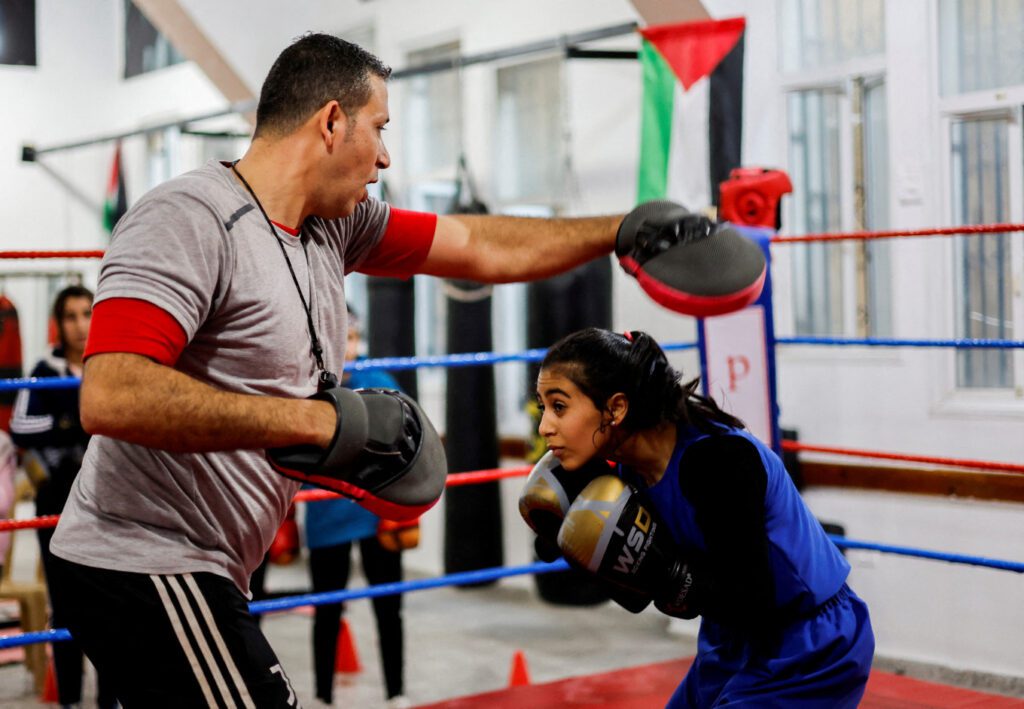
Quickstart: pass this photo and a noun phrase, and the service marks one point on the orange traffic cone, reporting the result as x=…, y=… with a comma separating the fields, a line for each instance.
x=346, y=659
x=520, y=676
x=50, y=684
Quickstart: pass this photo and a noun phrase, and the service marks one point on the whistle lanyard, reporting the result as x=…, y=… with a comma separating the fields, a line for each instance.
x=327, y=379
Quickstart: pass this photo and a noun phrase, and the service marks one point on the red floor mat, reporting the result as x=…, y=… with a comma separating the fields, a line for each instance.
x=650, y=686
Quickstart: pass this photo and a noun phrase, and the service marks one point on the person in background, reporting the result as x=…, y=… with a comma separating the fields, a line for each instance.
x=331, y=528
x=45, y=424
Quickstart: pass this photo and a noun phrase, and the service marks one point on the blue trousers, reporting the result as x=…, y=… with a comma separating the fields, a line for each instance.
x=820, y=662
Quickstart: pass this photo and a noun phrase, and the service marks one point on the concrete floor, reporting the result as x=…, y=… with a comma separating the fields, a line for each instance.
x=458, y=642
x=462, y=641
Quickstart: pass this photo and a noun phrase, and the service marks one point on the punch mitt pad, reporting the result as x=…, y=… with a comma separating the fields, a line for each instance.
x=385, y=454
x=688, y=263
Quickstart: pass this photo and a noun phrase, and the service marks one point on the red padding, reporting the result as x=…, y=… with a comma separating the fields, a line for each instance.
x=136, y=327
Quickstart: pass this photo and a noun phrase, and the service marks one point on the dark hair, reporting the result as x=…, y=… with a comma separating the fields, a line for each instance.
x=313, y=70
x=602, y=363
x=60, y=303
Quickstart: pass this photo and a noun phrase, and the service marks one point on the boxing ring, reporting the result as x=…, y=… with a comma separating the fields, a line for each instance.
x=706, y=344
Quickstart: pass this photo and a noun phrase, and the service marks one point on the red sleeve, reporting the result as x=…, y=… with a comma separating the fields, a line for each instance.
x=405, y=245
x=136, y=327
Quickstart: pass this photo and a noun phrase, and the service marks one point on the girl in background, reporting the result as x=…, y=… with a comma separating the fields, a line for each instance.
x=45, y=424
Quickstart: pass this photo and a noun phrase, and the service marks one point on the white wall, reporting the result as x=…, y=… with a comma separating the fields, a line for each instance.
x=954, y=615
x=898, y=400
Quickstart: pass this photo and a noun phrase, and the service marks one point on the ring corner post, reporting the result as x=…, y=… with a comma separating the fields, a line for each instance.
x=737, y=356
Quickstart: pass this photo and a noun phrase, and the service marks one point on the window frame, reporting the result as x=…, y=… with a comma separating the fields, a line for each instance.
x=977, y=400
x=839, y=79
x=556, y=199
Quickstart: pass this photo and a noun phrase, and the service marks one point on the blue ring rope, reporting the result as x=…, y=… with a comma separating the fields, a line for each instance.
x=483, y=575
x=469, y=359
x=476, y=359
x=389, y=589
x=844, y=543
x=319, y=599
x=892, y=342
x=472, y=359
x=39, y=383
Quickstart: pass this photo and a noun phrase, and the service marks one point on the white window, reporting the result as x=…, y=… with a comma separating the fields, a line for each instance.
x=981, y=45
x=814, y=168
x=981, y=195
x=819, y=33
x=432, y=116
x=529, y=140
x=982, y=86
x=833, y=67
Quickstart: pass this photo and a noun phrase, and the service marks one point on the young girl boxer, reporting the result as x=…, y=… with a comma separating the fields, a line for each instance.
x=699, y=517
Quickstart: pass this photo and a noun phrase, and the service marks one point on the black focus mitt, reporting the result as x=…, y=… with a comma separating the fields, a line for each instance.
x=385, y=454
x=687, y=262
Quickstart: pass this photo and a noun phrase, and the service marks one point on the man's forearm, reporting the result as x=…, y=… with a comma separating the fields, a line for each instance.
x=500, y=249
x=134, y=399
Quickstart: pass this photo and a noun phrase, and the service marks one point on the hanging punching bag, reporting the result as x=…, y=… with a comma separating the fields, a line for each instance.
x=556, y=307
x=391, y=315
x=391, y=327
x=473, y=525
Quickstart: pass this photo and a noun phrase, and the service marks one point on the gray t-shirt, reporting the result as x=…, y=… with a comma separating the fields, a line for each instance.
x=199, y=248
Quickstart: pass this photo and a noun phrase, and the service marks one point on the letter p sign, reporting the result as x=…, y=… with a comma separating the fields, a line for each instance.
x=739, y=367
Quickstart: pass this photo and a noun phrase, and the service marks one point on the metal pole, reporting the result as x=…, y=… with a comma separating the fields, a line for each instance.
x=563, y=44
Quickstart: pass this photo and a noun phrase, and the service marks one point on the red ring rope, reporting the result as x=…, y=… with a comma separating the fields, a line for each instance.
x=480, y=476
x=50, y=254
x=953, y=462
x=454, y=480
x=935, y=231
x=777, y=239
x=35, y=523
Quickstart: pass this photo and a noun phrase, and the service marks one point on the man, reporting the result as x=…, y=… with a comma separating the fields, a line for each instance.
x=220, y=306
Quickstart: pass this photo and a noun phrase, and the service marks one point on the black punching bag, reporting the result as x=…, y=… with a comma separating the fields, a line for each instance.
x=556, y=307
x=392, y=331
x=473, y=533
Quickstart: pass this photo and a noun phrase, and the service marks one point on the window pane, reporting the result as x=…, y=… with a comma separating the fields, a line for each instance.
x=145, y=49
x=814, y=170
x=819, y=33
x=432, y=116
x=18, y=32
x=981, y=195
x=876, y=208
x=530, y=151
x=981, y=44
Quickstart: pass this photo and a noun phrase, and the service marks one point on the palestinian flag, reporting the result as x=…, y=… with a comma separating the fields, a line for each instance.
x=692, y=110
x=116, y=202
